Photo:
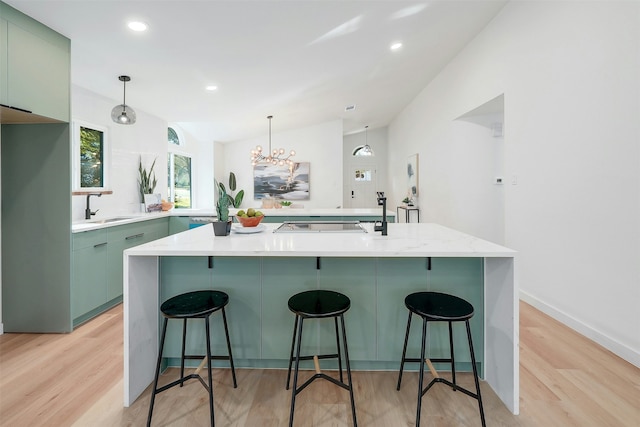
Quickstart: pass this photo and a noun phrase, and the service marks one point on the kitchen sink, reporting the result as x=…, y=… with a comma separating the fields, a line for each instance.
x=109, y=220
x=320, y=227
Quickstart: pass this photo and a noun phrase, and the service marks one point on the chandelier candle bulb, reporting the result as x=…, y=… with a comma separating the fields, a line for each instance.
x=275, y=156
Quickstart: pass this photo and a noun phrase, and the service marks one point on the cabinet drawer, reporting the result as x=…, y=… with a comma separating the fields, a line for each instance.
x=87, y=239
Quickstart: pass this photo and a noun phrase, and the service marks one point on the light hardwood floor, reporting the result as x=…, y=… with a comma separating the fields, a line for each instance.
x=76, y=379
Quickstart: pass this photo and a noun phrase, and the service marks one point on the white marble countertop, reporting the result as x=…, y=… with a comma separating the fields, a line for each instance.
x=98, y=223
x=403, y=240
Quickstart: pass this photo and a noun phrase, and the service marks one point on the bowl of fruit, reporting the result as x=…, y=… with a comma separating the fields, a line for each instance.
x=250, y=217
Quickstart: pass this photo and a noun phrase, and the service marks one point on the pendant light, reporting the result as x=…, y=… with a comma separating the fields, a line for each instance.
x=123, y=114
x=364, y=150
x=275, y=157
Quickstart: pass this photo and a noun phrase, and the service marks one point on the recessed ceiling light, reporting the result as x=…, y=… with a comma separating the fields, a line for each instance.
x=350, y=107
x=396, y=46
x=137, y=26
x=211, y=88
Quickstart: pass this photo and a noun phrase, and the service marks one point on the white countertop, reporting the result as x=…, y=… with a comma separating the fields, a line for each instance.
x=96, y=223
x=403, y=240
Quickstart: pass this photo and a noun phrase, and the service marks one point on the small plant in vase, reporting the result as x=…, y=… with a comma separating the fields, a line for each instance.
x=146, y=184
x=222, y=227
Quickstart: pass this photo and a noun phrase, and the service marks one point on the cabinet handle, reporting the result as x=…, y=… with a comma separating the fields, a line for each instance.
x=317, y=263
x=210, y=262
x=100, y=244
x=429, y=263
x=135, y=236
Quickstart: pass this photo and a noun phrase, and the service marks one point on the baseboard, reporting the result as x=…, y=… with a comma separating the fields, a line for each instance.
x=619, y=349
x=1, y=328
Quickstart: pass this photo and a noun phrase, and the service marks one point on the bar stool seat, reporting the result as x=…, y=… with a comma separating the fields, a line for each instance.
x=439, y=307
x=193, y=305
x=319, y=304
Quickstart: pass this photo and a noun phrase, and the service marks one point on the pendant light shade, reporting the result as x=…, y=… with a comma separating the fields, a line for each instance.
x=123, y=114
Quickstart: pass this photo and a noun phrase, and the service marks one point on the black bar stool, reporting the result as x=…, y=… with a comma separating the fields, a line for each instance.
x=438, y=307
x=319, y=304
x=193, y=305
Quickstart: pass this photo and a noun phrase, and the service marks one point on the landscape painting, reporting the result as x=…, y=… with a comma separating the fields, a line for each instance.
x=284, y=182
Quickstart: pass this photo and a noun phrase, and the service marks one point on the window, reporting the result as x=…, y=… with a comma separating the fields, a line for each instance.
x=90, y=157
x=173, y=136
x=179, y=173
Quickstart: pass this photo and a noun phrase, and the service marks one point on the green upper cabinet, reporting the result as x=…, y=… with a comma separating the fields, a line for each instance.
x=35, y=63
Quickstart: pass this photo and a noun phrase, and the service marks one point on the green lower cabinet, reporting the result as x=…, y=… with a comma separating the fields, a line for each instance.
x=240, y=279
x=281, y=279
x=89, y=282
x=97, y=265
x=261, y=324
x=356, y=278
x=178, y=224
x=397, y=278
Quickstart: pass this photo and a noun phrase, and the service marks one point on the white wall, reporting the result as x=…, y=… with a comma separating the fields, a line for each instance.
x=377, y=140
x=321, y=145
x=568, y=71
x=146, y=139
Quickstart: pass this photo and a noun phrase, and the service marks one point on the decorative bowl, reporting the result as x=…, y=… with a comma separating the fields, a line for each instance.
x=249, y=221
x=166, y=206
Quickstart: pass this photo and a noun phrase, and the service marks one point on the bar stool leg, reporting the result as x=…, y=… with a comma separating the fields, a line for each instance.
x=184, y=341
x=475, y=373
x=155, y=380
x=453, y=363
x=346, y=355
x=206, y=323
x=338, y=347
x=226, y=331
x=293, y=342
x=421, y=374
x=295, y=373
x=404, y=351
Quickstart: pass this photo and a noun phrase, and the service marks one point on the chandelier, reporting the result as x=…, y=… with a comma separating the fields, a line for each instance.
x=275, y=156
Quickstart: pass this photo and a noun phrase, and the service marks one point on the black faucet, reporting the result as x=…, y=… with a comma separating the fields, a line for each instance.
x=382, y=201
x=87, y=211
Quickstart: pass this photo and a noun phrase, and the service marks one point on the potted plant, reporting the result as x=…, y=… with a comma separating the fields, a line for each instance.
x=407, y=201
x=222, y=226
x=236, y=200
x=146, y=185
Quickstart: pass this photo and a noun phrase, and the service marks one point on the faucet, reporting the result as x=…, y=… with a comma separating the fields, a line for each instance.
x=382, y=226
x=87, y=211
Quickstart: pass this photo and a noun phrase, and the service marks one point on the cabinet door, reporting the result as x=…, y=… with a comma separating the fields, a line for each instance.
x=38, y=73
x=354, y=277
x=88, y=286
x=397, y=278
x=178, y=224
x=282, y=278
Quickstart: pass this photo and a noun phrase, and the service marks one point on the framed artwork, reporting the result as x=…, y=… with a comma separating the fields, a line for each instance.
x=412, y=175
x=284, y=182
x=153, y=202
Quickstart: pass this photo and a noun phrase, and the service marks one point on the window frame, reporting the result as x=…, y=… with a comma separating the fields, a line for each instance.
x=106, y=156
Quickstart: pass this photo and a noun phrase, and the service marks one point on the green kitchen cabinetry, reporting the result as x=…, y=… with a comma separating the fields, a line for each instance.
x=89, y=282
x=178, y=224
x=262, y=325
x=240, y=279
x=28, y=48
x=126, y=236
x=97, y=264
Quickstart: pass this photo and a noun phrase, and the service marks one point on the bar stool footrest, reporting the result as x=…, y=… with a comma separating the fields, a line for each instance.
x=455, y=387
x=181, y=381
x=325, y=377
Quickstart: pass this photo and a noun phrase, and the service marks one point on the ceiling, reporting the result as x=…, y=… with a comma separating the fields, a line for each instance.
x=301, y=61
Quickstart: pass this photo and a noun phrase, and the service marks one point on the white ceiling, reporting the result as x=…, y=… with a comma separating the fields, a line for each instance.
x=301, y=61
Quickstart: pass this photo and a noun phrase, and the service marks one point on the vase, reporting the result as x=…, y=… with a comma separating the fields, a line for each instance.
x=221, y=228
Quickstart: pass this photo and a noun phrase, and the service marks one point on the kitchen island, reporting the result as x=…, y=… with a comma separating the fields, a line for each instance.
x=260, y=271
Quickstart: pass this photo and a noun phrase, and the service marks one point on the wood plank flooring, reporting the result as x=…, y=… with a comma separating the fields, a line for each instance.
x=76, y=380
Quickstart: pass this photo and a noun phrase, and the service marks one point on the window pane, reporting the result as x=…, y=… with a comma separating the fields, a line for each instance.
x=173, y=137
x=182, y=181
x=91, y=157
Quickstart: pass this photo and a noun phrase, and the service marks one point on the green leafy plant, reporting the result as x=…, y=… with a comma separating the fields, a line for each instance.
x=222, y=205
x=145, y=183
x=236, y=200
x=285, y=203
x=406, y=200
